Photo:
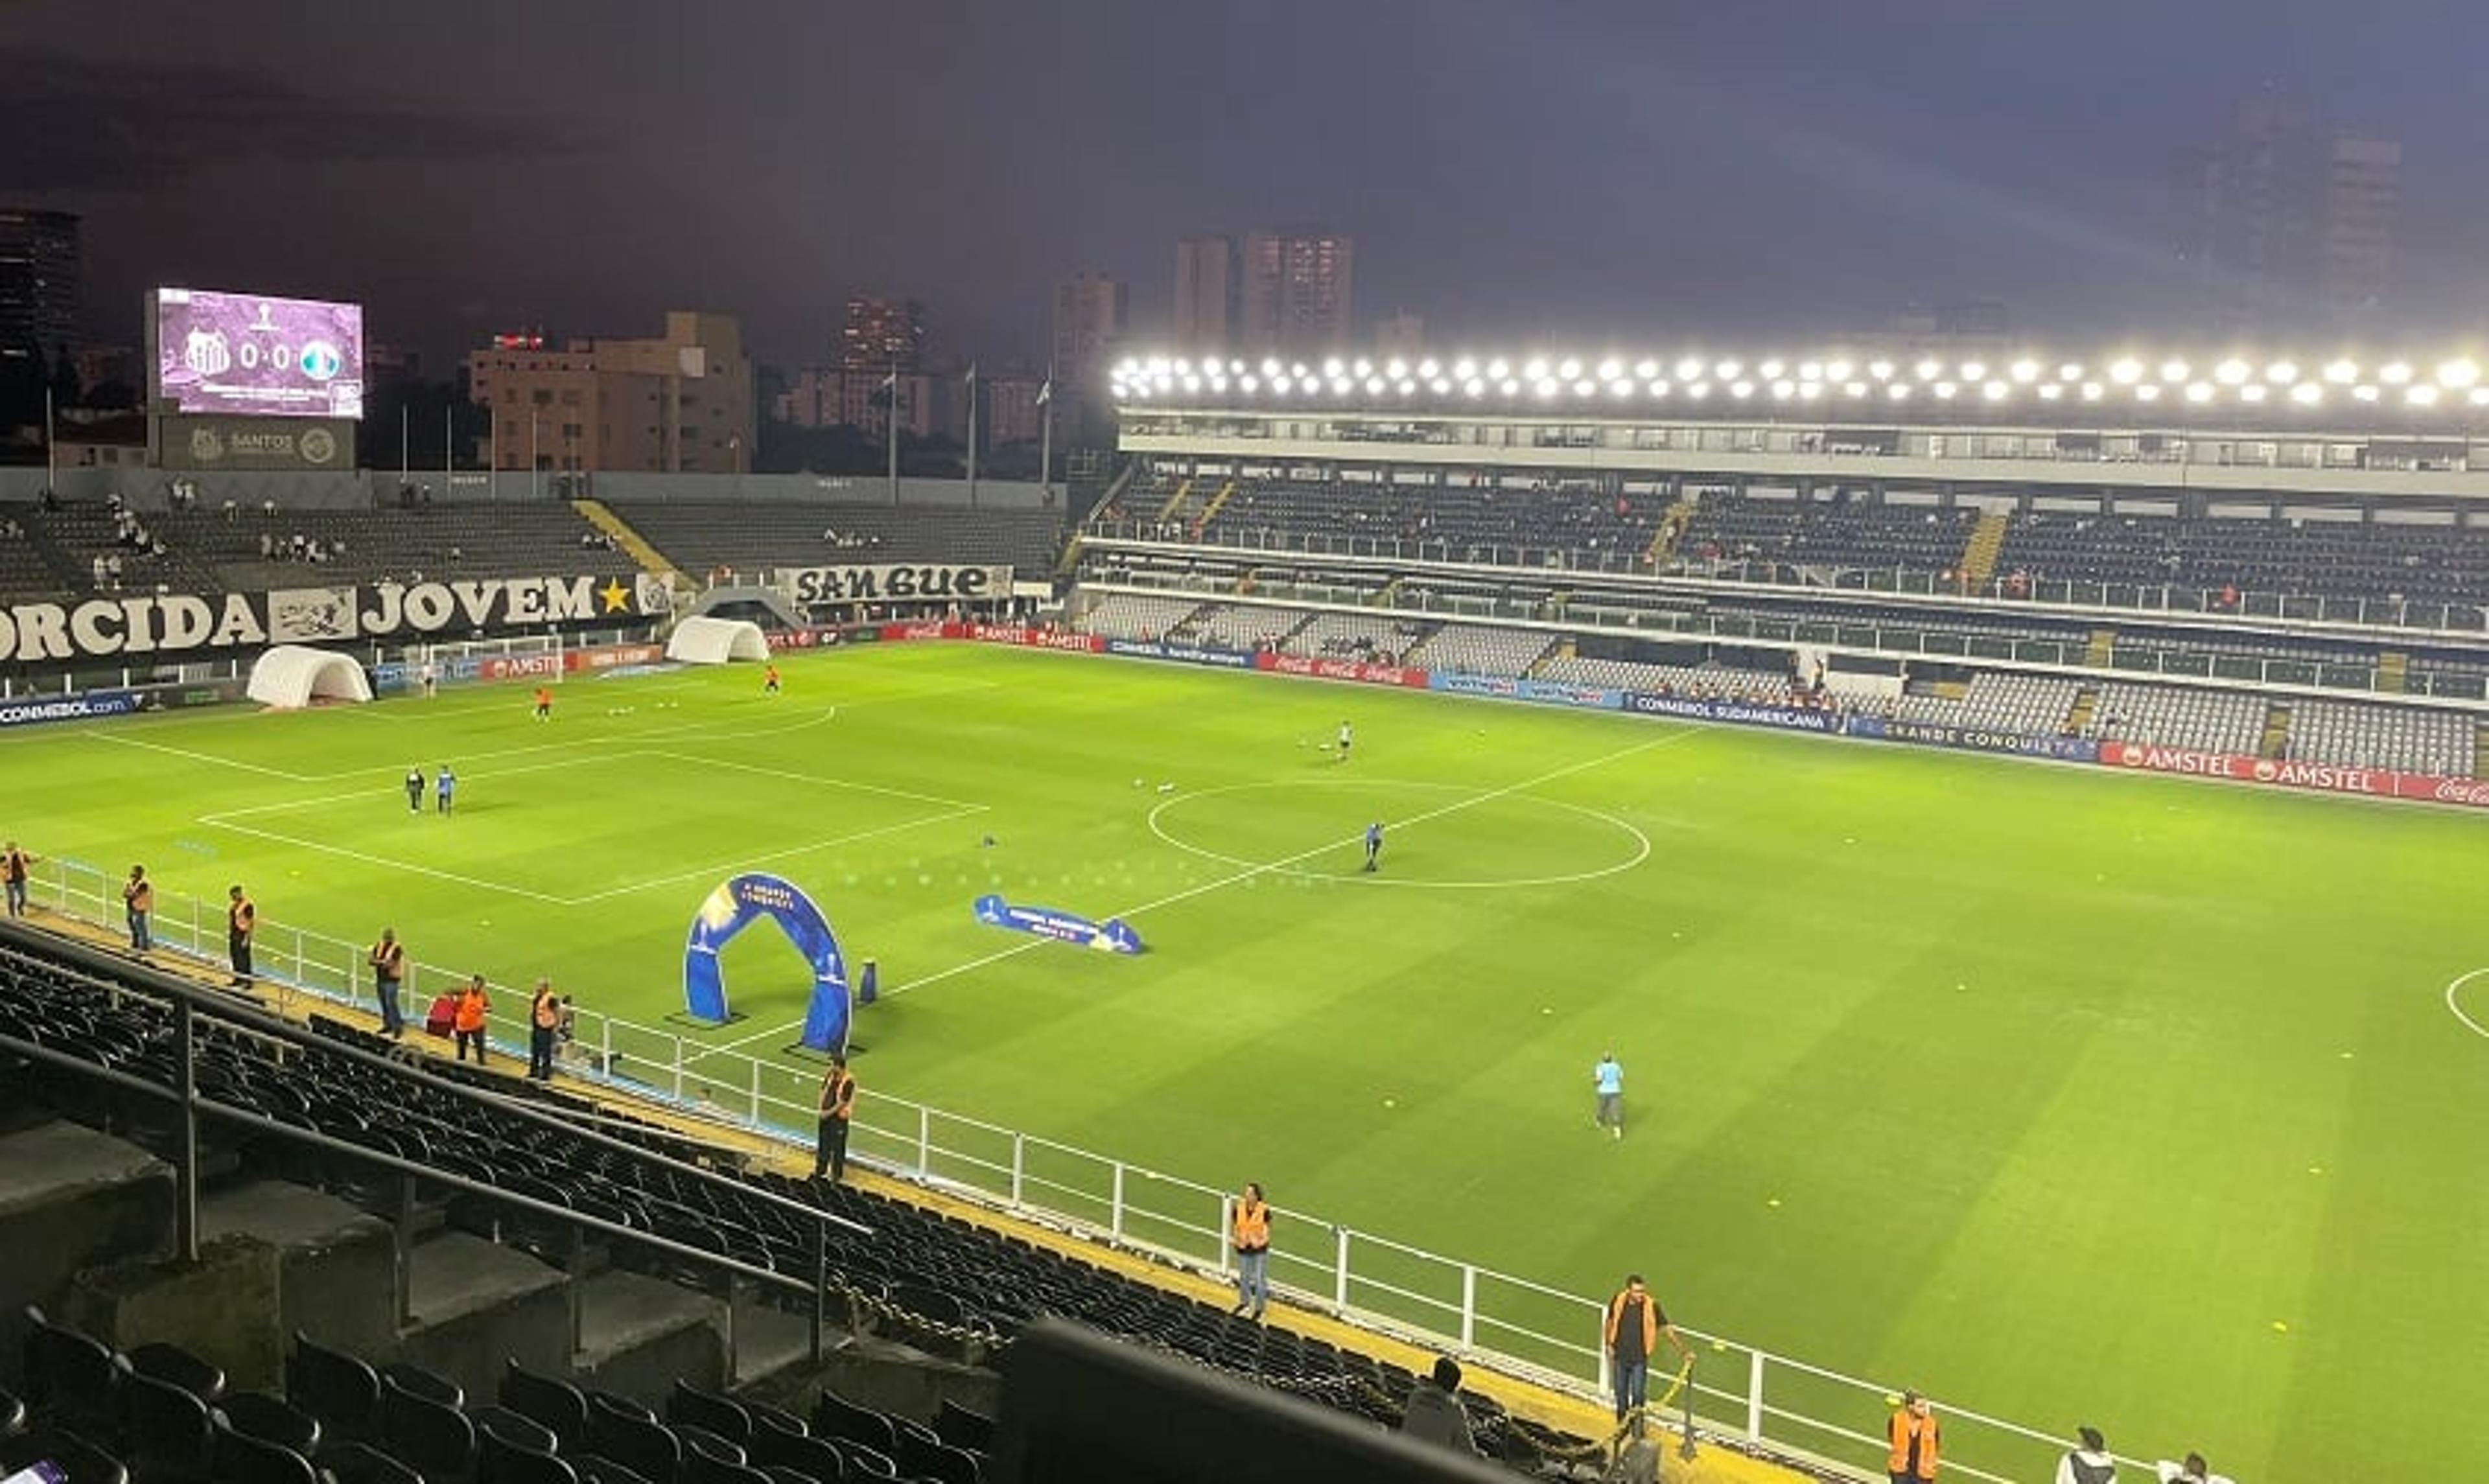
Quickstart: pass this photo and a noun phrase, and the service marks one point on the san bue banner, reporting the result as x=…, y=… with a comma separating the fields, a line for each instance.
x=899, y=582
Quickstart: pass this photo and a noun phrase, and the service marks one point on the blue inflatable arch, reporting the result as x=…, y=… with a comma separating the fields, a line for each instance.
x=736, y=905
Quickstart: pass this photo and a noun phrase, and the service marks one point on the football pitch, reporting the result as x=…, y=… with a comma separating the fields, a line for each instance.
x=2064, y=1094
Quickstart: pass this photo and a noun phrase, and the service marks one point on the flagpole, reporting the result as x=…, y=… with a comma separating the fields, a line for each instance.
x=1046, y=438
x=448, y=445
x=51, y=445
x=892, y=386
x=972, y=435
x=493, y=447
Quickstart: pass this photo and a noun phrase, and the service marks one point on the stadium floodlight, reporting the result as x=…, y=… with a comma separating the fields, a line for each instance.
x=2481, y=396
x=1571, y=369
x=1363, y=368
x=1855, y=388
x=2365, y=391
x=1689, y=370
x=1784, y=389
x=2281, y=373
x=1192, y=384
x=1880, y=370
x=1728, y=370
x=1699, y=390
x=1249, y=382
x=2125, y=371
x=2251, y=392
x=1270, y=367
x=2199, y=392
x=1944, y=390
x=1619, y=387
x=1279, y=386
x=2394, y=373
x=1974, y=370
x=1836, y=371
x=1929, y=370
x=2421, y=394
x=1440, y=387
x=1535, y=369
x=1546, y=387
x=1741, y=389
x=2455, y=375
x=2342, y=373
x=2026, y=371
x=1341, y=386
x=1994, y=391
x=2070, y=371
x=1898, y=391
x=1658, y=388
x=1472, y=386
x=1499, y=370
x=1772, y=370
x=1428, y=368
x=1465, y=369
x=2093, y=391
x=2173, y=370
x=1647, y=369
x=1396, y=368
x=1585, y=387
x=2051, y=391
x=1335, y=368
x=1807, y=391
x=1183, y=365
x=1612, y=369
x=2147, y=393
x=1810, y=371
x=1374, y=386
x=2231, y=372
x=1510, y=387
x=2308, y=393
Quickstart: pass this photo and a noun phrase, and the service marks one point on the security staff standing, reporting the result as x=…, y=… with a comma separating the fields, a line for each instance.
x=837, y=1110
x=1252, y=1231
x=1914, y=1434
x=241, y=920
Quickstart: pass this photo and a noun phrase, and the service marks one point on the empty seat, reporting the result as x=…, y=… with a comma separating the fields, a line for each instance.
x=360, y=1462
x=257, y=1415
x=557, y=1404
x=814, y=1457
x=515, y=1428
x=835, y=1416
x=962, y=1428
x=431, y=1437
x=429, y=1386
x=67, y=1374
x=919, y=1457
x=627, y=1437
x=175, y=1366
x=335, y=1387
x=689, y=1403
x=167, y=1429
x=238, y=1459
x=501, y=1461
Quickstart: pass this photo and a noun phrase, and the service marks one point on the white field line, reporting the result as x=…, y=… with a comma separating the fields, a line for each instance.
x=1250, y=872
x=745, y=862
x=819, y=781
x=169, y=750
x=2456, y=1004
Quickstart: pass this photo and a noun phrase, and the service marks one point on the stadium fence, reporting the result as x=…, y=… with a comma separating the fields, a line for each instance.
x=1513, y=1324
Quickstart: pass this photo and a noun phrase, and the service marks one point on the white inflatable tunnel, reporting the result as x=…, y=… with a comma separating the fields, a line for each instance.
x=716, y=640
x=292, y=676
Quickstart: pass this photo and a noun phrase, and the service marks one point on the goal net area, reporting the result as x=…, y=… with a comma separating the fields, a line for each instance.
x=704, y=641
x=292, y=676
x=535, y=658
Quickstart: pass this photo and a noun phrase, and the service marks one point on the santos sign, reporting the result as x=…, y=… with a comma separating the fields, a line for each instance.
x=174, y=623
x=900, y=584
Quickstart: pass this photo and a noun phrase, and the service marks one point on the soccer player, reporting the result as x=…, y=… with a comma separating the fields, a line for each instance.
x=770, y=681
x=431, y=679
x=414, y=790
x=544, y=703
x=1345, y=738
x=1608, y=1079
x=1373, y=845
x=446, y=794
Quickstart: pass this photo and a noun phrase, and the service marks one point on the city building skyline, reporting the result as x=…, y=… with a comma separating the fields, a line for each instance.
x=42, y=304
x=678, y=403
x=2292, y=221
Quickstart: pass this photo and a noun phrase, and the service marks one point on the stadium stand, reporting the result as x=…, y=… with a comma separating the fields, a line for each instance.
x=2352, y=559
x=253, y=550
x=753, y=536
x=1138, y=615
x=1379, y=638
x=1476, y=649
x=2031, y=705
x=2167, y=716
x=943, y=1284
x=1703, y=681
x=1237, y=625
x=2369, y=737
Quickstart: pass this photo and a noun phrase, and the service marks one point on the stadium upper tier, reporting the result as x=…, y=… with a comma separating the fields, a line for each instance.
x=753, y=536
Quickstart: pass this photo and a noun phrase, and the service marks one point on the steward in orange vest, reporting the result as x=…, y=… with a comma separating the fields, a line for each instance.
x=1913, y=1431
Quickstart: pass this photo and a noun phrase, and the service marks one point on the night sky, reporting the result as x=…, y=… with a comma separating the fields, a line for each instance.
x=1516, y=171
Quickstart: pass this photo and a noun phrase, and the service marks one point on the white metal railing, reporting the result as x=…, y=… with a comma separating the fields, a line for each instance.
x=1508, y=1323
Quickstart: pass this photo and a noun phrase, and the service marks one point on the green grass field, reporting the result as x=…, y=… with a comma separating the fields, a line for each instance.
x=2049, y=1090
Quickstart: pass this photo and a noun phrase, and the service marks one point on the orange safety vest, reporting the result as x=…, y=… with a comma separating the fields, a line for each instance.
x=140, y=893
x=1907, y=1425
x=470, y=1009
x=1650, y=1319
x=548, y=1012
x=1252, y=1226
x=241, y=916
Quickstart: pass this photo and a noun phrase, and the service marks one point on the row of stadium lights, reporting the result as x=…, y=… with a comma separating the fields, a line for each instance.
x=1693, y=379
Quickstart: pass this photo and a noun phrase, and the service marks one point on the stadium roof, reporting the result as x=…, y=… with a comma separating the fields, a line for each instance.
x=2439, y=389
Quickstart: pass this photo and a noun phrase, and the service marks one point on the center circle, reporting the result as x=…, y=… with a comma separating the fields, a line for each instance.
x=1445, y=835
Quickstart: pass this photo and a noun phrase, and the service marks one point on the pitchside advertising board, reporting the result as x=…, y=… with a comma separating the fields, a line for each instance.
x=179, y=623
x=257, y=354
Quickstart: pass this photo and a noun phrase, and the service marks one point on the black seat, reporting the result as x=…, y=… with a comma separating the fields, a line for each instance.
x=920, y=1458
x=260, y=1416
x=514, y=1428
x=700, y=1467
x=700, y=1441
x=962, y=1428
x=867, y=1462
x=595, y=1469
x=175, y=1366
x=67, y=1375
x=244, y=1460
x=13, y=1414
x=775, y=1448
x=501, y=1461
x=360, y=1462
x=555, y=1403
x=689, y=1403
x=779, y=1474
x=835, y=1416
x=335, y=1387
x=628, y=1437
x=430, y=1385
x=431, y=1437
x=165, y=1427
x=764, y=1414
x=80, y=1460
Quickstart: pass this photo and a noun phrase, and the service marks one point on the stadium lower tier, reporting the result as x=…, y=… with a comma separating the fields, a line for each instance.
x=2411, y=750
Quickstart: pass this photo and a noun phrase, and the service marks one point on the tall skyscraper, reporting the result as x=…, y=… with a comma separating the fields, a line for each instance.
x=1206, y=287
x=1088, y=320
x=880, y=333
x=1294, y=294
x=2293, y=223
x=40, y=306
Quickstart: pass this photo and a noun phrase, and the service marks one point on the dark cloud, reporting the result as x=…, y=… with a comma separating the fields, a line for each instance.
x=71, y=124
